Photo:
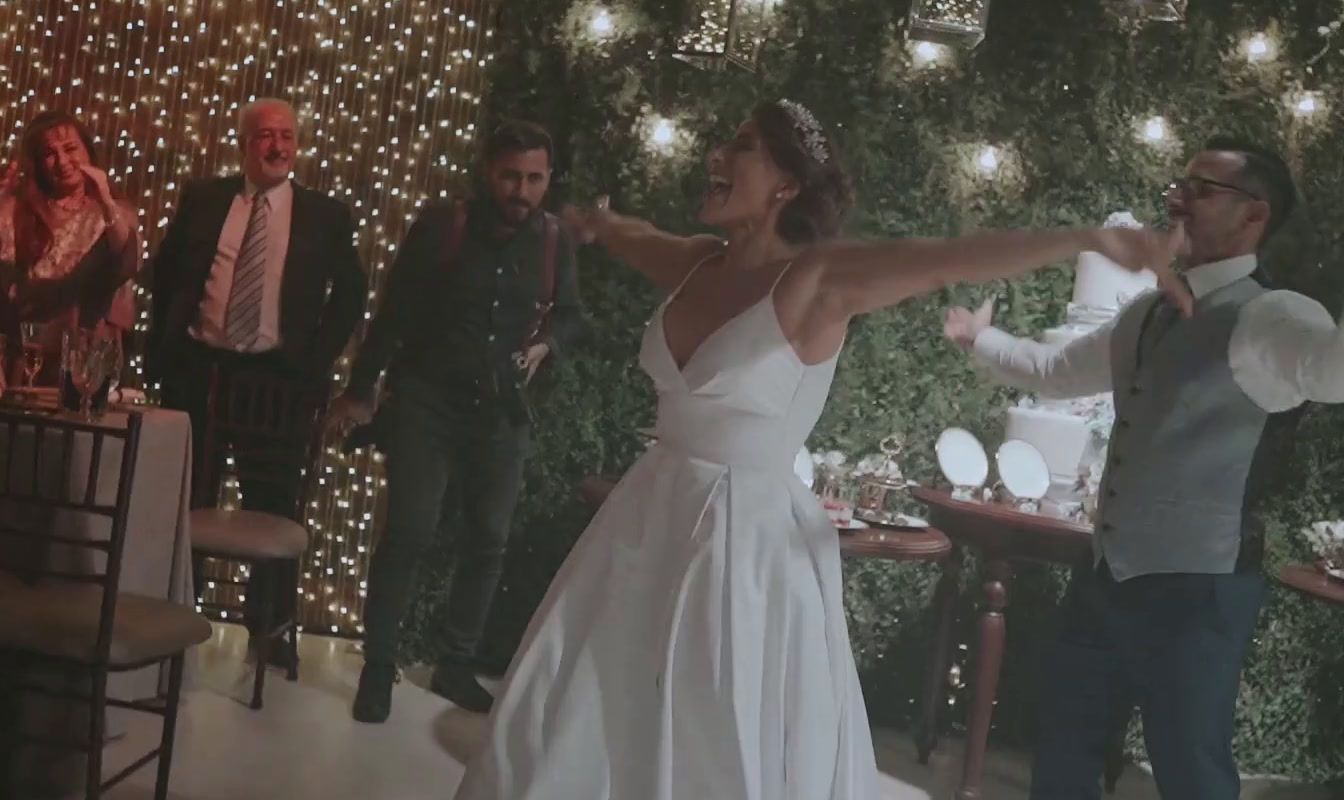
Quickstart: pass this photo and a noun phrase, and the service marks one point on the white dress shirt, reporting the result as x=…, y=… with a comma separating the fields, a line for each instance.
x=1285, y=349
x=215, y=304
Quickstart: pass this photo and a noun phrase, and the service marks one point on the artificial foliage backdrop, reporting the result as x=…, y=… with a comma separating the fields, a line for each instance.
x=1062, y=116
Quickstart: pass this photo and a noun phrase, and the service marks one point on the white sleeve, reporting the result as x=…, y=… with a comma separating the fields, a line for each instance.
x=1078, y=369
x=1287, y=350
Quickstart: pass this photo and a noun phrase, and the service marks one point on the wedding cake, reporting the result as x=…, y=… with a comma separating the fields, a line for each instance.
x=1072, y=434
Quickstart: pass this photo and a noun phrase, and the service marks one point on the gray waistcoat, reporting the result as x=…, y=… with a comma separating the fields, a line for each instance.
x=1190, y=453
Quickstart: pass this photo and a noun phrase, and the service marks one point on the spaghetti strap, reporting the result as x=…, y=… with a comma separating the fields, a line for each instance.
x=780, y=277
x=687, y=278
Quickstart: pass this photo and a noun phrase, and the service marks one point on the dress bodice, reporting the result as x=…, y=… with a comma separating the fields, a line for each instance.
x=744, y=398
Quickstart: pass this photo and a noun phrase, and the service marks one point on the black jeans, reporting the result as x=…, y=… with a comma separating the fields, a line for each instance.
x=443, y=453
x=187, y=389
x=1171, y=644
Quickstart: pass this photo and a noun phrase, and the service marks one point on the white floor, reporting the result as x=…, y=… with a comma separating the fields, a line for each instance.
x=304, y=746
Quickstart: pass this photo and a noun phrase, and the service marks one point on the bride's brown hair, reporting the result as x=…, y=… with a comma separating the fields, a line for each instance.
x=825, y=194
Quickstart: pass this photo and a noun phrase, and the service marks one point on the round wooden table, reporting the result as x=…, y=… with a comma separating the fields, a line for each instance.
x=928, y=544
x=1312, y=582
x=1002, y=536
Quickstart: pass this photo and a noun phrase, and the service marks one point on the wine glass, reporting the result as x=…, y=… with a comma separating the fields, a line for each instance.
x=33, y=351
x=88, y=368
x=113, y=356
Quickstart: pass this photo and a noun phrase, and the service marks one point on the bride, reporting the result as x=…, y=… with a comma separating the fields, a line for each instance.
x=693, y=646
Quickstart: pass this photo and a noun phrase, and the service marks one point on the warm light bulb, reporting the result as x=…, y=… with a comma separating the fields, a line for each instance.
x=927, y=54
x=602, y=25
x=988, y=160
x=1259, y=48
x=662, y=133
x=1155, y=129
x=1306, y=104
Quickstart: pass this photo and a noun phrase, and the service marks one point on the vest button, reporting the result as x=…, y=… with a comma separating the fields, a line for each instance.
x=1107, y=527
x=1112, y=493
x=1135, y=391
x=1124, y=424
x=1117, y=461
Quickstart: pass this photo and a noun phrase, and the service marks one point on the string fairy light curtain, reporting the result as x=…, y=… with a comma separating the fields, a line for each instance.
x=388, y=95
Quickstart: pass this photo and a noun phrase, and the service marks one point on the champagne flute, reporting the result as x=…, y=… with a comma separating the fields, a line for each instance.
x=88, y=364
x=77, y=367
x=33, y=352
x=114, y=362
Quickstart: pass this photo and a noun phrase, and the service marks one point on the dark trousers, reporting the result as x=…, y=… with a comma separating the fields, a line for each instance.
x=444, y=453
x=187, y=389
x=1171, y=644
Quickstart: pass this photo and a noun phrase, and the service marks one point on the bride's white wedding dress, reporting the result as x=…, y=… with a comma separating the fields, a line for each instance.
x=693, y=646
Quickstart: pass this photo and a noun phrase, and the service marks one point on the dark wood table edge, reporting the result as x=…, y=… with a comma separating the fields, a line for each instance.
x=1308, y=580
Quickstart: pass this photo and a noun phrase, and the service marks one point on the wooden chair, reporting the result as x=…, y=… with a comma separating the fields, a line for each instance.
x=260, y=423
x=74, y=619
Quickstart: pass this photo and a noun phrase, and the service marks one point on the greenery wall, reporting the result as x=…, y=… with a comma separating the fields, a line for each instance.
x=1061, y=87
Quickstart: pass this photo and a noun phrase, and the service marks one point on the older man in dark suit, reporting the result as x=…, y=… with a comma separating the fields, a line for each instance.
x=256, y=274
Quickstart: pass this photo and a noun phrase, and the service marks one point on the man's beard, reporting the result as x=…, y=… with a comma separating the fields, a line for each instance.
x=517, y=210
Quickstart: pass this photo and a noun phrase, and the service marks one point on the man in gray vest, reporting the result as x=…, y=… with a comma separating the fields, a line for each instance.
x=1205, y=407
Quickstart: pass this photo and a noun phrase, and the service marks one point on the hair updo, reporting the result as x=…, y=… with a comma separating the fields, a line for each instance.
x=825, y=194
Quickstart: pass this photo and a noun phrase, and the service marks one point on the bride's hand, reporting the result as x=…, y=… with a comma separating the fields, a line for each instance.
x=963, y=326
x=582, y=221
x=1137, y=250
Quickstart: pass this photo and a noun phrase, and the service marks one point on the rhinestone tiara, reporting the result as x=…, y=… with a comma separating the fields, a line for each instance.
x=808, y=129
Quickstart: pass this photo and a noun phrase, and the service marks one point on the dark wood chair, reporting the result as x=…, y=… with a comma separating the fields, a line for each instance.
x=256, y=425
x=74, y=619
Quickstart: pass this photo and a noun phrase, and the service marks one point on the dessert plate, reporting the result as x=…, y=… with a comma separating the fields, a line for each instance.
x=1023, y=470
x=896, y=522
x=962, y=459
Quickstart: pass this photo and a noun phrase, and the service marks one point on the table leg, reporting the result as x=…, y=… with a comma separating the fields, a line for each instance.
x=935, y=672
x=989, y=657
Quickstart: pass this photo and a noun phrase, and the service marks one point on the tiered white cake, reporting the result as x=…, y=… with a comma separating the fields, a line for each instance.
x=1072, y=434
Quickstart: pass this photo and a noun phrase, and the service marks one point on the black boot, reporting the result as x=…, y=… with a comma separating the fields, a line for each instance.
x=457, y=684
x=373, y=701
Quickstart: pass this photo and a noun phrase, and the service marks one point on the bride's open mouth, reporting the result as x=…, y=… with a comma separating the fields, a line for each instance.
x=719, y=188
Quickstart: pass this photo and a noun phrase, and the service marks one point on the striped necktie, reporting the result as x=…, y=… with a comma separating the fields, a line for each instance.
x=243, y=317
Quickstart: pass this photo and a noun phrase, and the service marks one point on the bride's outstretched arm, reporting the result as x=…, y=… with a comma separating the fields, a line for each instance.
x=858, y=277
x=663, y=257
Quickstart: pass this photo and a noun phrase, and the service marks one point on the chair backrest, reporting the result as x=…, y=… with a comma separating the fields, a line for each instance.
x=269, y=425
x=65, y=495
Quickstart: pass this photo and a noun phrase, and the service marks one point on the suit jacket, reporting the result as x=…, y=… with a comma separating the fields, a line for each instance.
x=314, y=325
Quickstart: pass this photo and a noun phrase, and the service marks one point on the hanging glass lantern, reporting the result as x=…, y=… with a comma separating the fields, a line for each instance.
x=957, y=23
x=1150, y=10
x=721, y=32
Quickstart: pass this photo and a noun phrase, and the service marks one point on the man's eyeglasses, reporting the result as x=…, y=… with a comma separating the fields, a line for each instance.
x=1201, y=188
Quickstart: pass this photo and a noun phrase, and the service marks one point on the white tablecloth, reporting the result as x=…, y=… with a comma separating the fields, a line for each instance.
x=156, y=562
